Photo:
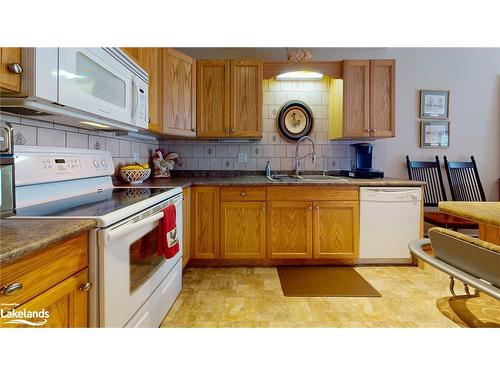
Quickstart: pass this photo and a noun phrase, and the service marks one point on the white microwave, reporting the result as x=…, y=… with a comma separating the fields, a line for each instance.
x=100, y=87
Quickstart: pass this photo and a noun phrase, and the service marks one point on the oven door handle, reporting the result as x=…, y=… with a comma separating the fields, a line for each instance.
x=128, y=228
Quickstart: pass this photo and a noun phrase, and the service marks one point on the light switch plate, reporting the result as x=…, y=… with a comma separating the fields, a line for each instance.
x=242, y=158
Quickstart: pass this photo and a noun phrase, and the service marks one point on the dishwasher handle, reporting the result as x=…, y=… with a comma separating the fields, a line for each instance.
x=390, y=195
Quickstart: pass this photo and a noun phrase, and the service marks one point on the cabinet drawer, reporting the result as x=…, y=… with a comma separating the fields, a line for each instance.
x=242, y=193
x=45, y=269
x=312, y=193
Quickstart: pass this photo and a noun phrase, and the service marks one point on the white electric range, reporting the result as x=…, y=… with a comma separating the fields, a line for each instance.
x=132, y=286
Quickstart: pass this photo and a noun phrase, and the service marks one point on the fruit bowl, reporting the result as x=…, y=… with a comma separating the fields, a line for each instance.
x=135, y=176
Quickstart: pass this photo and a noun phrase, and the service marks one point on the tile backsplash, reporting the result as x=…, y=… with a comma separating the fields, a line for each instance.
x=214, y=155
x=210, y=154
x=30, y=132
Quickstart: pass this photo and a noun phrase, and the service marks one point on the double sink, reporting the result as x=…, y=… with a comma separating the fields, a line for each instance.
x=305, y=178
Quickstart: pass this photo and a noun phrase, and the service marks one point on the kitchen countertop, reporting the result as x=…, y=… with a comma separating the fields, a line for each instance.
x=481, y=212
x=23, y=237
x=262, y=180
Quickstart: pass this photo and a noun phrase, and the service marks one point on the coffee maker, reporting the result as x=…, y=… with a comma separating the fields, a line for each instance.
x=361, y=162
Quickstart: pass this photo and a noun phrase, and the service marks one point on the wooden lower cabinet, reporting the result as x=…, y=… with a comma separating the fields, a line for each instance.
x=289, y=230
x=54, y=279
x=205, y=222
x=243, y=230
x=186, y=232
x=335, y=229
x=66, y=304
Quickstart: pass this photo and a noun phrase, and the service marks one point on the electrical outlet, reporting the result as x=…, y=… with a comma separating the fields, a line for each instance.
x=242, y=158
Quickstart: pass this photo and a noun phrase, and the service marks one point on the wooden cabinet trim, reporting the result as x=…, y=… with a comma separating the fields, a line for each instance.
x=186, y=225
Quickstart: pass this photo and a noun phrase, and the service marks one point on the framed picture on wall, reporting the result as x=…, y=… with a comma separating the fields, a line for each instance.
x=434, y=134
x=434, y=104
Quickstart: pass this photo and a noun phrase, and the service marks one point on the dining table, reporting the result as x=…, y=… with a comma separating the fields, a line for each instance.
x=486, y=214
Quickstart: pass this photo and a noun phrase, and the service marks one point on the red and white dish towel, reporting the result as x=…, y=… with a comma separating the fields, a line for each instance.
x=168, y=242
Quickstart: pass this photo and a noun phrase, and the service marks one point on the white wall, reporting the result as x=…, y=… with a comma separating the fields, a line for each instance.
x=472, y=75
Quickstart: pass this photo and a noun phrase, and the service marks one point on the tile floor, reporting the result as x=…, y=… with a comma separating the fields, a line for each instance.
x=252, y=297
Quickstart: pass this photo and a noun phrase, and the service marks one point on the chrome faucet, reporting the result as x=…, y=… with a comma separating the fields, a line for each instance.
x=298, y=167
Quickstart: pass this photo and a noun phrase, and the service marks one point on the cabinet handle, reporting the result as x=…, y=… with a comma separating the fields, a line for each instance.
x=16, y=68
x=310, y=208
x=367, y=130
x=243, y=193
x=263, y=208
x=86, y=287
x=11, y=289
x=227, y=130
x=193, y=129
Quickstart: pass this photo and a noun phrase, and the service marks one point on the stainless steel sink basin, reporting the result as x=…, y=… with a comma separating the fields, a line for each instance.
x=305, y=178
x=320, y=178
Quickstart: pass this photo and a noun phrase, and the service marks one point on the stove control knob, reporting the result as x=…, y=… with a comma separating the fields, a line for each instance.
x=95, y=163
x=103, y=162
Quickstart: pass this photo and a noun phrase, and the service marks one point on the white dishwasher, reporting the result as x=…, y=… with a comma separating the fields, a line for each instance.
x=389, y=219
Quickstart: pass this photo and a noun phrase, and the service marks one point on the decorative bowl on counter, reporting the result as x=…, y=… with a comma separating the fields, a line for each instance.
x=135, y=176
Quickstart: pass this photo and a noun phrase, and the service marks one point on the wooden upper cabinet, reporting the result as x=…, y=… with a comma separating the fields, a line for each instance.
x=229, y=98
x=178, y=93
x=289, y=230
x=243, y=230
x=212, y=98
x=382, y=98
x=356, y=98
x=9, y=80
x=335, y=229
x=205, y=222
x=362, y=103
x=246, y=98
x=150, y=60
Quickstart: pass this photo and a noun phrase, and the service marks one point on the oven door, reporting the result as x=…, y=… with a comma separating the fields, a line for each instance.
x=130, y=269
x=92, y=80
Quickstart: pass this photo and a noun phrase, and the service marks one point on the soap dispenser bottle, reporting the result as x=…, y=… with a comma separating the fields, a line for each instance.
x=268, y=169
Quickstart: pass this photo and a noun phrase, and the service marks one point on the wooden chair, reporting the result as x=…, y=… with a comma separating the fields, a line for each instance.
x=434, y=192
x=465, y=184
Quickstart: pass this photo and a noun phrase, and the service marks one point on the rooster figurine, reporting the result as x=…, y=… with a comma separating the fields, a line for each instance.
x=163, y=165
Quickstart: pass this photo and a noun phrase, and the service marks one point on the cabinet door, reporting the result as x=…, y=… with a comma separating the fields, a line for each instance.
x=212, y=98
x=66, y=303
x=335, y=229
x=9, y=81
x=382, y=98
x=290, y=230
x=150, y=59
x=178, y=91
x=205, y=222
x=246, y=98
x=356, y=76
x=243, y=230
x=186, y=219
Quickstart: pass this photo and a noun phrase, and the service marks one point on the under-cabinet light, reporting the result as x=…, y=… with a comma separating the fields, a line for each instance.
x=300, y=75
